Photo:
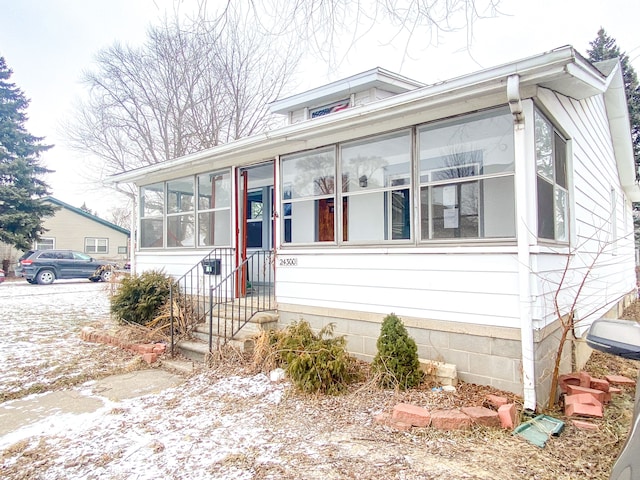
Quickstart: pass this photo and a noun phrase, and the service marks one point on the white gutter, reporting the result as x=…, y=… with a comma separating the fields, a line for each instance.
x=523, y=240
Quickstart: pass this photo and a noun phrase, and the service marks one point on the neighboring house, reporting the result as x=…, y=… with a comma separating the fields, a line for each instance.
x=462, y=206
x=75, y=229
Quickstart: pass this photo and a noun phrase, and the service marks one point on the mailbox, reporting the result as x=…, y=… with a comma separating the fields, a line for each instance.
x=211, y=266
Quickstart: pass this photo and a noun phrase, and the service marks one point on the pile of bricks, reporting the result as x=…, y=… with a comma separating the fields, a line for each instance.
x=406, y=416
x=149, y=351
x=585, y=396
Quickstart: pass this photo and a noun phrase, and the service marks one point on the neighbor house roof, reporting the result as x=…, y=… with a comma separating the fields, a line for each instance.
x=562, y=70
x=88, y=215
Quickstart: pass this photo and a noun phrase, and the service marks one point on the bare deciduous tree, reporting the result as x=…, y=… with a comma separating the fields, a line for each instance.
x=194, y=84
x=332, y=27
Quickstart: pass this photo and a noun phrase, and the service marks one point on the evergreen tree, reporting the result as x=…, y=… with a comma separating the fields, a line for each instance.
x=21, y=188
x=603, y=48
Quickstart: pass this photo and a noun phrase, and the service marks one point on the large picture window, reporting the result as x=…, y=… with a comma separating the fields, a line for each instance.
x=196, y=212
x=467, y=177
x=376, y=188
x=308, y=196
x=551, y=168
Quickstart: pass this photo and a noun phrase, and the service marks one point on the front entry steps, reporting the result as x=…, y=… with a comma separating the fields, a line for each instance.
x=197, y=347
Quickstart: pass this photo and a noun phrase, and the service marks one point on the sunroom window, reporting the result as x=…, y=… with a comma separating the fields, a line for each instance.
x=151, y=215
x=551, y=167
x=376, y=188
x=214, y=209
x=308, y=196
x=467, y=177
x=193, y=205
x=180, y=213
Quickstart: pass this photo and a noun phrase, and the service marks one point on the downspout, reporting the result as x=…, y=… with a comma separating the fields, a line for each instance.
x=523, y=232
x=133, y=234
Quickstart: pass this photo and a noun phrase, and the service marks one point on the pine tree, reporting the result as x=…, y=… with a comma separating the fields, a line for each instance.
x=604, y=47
x=21, y=188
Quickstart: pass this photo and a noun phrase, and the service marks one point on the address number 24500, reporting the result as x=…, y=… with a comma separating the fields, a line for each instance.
x=288, y=262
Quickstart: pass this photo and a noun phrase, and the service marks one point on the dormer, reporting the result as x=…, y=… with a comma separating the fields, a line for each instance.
x=359, y=89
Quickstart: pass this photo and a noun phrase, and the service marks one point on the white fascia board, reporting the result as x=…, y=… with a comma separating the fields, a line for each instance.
x=551, y=66
x=618, y=114
x=376, y=77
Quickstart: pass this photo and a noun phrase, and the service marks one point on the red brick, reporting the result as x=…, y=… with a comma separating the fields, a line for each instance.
x=582, y=425
x=159, y=348
x=411, y=414
x=599, y=384
x=583, y=410
x=585, y=379
x=385, y=419
x=508, y=415
x=568, y=379
x=482, y=416
x=597, y=394
x=584, y=398
x=614, y=390
x=149, y=357
x=450, y=420
x=496, y=401
x=619, y=380
x=145, y=348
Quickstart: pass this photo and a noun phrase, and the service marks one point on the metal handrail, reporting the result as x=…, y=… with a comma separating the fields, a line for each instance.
x=238, y=297
x=240, y=294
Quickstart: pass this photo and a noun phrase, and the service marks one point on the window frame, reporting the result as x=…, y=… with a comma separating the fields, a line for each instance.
x=37, y=243
x=96, y=243
x=551, y=179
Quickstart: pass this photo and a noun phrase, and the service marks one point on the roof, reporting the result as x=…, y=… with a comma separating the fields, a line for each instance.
x=88, y=215
x=338, y=90
x=562, y=70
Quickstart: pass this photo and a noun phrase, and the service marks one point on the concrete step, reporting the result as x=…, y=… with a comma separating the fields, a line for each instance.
x=259, y=322
x=197, y=349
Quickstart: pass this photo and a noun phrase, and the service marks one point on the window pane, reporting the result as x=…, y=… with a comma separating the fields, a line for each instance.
x=561, y=215
x=215, y=228
x=473, y=145
x=214, y=190
x=454, y=210
x=376, y=163
x=560, y=160
x=544, y=146
x=545, y=209
x=309, y=174
x=378, y=216
x=180, y=195
x=310, y=221
x=180, y=231
x=151, y=234
x=152, y=200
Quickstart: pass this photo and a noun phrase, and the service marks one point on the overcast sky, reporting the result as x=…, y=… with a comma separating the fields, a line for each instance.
x=48, y=43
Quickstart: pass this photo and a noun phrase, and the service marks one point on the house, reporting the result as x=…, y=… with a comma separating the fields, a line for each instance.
x=75, y=229
x=467, y=207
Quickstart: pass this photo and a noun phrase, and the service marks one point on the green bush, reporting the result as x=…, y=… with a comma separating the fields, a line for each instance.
x=396, y=361
x=314, y=362
x=139, y=298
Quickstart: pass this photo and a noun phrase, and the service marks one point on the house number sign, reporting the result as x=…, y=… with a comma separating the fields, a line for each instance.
x=288, y=262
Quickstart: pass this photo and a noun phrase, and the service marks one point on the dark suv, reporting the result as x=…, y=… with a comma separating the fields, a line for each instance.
x=44, y=266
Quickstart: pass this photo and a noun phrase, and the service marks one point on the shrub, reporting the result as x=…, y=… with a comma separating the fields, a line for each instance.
x=396, y=361
x=314, y=362
x=139, y=298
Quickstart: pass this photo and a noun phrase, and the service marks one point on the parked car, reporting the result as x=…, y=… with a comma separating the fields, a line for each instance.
x=2, y=276
x=45, y=266
x=622, y=338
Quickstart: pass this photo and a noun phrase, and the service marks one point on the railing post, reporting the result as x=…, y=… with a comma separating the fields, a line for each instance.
x=210, y=319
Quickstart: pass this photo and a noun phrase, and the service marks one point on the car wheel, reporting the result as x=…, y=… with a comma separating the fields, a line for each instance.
x=45, y=277
x=106, y=275
x=32, y=282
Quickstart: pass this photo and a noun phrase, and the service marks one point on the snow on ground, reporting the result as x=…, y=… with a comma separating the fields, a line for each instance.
x=40, y=344
x=190, y=432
